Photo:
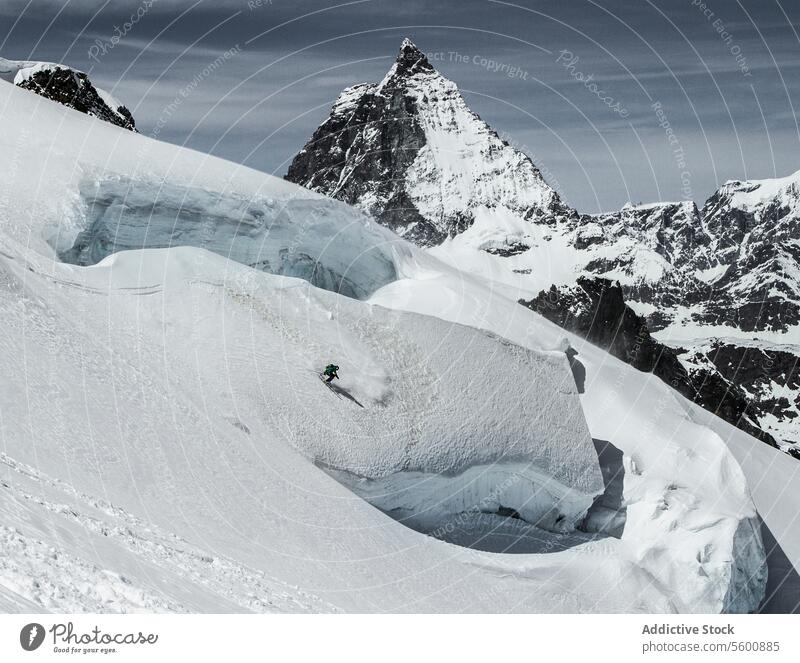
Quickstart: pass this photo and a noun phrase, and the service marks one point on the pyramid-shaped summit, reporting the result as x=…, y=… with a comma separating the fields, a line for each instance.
x=411, y=153
x=409, y=49
x=411, y=60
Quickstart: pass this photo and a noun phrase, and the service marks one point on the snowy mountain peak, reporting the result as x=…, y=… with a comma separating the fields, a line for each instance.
x=409, y=46
x=502, y=445
x=411, y=60
x=409, y=151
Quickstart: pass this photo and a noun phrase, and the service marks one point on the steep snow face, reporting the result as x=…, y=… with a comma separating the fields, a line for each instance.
x=200, y=411
x=185, y=356
x=680, y=482
x=463, y=164
x=409, y=151
x=66, y=86
x=672, y=467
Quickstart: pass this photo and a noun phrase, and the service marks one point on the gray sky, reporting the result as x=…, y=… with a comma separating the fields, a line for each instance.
x=289, y=61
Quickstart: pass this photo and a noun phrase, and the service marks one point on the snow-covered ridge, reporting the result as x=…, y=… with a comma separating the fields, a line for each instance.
x=67, y=86
x=749, y=195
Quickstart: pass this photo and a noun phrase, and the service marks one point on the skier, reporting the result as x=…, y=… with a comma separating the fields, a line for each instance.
x=330, y=371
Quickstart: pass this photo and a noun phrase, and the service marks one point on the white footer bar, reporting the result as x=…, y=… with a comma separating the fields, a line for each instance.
x=397, y=638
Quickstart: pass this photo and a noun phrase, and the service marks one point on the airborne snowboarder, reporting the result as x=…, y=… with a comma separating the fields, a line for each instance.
x=331, y=372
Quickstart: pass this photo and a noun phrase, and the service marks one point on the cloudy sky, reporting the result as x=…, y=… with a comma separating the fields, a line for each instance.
x=681, y=96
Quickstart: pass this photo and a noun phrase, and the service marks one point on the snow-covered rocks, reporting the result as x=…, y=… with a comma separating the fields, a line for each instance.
x=755, y=230
x=66, y=86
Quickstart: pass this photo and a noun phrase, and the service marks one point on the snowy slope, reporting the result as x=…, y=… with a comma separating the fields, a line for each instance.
x=212, y=436
x=672, y=465
x=200, y=451
x=135, y=193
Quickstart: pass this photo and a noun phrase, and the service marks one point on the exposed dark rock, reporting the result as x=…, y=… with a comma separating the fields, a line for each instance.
x=508, y=250
x=73, y=88
x=729, y=401
x=367, y=143
x=756, y=370
x=596, y=310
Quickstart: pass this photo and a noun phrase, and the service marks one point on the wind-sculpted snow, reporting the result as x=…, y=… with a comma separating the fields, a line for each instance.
x=431, y=501
x=201, y=410
x=107, y=191
x=688, y=513
x=327, y=245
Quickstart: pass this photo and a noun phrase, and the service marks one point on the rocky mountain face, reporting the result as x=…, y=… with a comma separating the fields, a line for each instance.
x=716, y=289
x=735, y=261
x=766, y=373
x=756, y=238
x=595, y=309
x=67, y=86
x=411, y=153
x=726, y=295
